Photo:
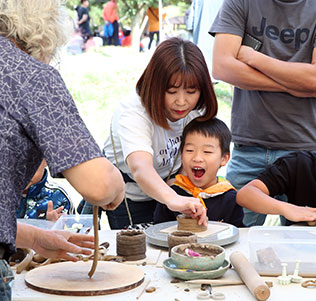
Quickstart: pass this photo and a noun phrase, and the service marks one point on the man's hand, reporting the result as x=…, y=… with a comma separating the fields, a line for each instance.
x=245, y=53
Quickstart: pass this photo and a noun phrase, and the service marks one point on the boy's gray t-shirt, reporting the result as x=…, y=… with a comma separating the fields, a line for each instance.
x=287, y=30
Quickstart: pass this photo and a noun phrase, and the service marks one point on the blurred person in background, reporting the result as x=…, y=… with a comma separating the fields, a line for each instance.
x=111, y=26
x=84, y=19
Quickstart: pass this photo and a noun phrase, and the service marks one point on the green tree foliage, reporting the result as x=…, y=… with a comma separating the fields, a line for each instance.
x=128, y=9
x=131, y=13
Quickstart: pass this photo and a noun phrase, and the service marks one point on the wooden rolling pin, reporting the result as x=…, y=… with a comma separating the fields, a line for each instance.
x=249, y=276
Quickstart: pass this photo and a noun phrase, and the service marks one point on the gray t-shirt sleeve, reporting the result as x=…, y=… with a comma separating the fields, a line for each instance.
x=55, y=125
x=231, y=18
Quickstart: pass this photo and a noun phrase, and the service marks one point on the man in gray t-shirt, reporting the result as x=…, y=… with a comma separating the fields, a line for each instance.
x=274, y=106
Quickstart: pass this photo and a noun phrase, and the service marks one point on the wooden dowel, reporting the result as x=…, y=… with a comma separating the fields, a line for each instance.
x=96, y=241
x=249, y=276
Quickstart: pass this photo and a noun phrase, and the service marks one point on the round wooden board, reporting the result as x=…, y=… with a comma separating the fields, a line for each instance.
x=71, y=278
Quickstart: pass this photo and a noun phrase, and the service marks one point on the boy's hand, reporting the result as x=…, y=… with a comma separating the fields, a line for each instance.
x=54, y=215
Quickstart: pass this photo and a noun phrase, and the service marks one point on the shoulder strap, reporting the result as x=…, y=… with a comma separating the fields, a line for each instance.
x=153, y=13
x=173, y=165
x=117, y=165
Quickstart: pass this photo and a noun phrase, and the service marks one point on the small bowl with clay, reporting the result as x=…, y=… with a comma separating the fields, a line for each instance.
x=198, y=256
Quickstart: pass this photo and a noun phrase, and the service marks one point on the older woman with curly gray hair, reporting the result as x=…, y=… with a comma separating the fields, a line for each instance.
x=36, y=27
x=39, y=119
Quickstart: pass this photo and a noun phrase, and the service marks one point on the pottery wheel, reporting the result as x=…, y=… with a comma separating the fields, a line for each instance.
x=223, y=238
x=71, y=278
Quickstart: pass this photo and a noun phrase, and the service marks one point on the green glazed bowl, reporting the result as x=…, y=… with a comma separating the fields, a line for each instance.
x=212, y=256
x=183, y=274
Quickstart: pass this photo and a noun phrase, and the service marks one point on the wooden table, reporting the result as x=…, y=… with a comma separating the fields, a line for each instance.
x=165, y=290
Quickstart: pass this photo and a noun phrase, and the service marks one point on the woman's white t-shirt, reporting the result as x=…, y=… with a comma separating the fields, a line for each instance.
x=133, y=130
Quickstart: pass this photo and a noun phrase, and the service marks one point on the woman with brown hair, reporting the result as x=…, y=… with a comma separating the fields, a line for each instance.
x=147, y=127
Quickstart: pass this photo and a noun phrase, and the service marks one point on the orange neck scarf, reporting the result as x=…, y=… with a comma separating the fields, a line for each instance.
x=220, y=187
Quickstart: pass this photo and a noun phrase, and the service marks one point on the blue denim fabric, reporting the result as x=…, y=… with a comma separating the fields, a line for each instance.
x=87, y=208
x=246, y=164
x=6, y=277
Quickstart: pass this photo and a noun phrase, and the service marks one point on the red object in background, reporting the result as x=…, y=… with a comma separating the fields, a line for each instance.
x=120, y=34
x=127, y=41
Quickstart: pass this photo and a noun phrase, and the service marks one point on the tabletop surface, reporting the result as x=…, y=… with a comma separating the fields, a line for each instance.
x=157, y=277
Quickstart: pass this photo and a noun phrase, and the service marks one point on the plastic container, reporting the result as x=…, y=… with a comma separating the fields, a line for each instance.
x=271, y=246
x=75, y=223
x=40, y=223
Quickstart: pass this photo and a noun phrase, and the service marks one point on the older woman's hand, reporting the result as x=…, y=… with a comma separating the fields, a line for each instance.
x=54, y=244
x=62, y=244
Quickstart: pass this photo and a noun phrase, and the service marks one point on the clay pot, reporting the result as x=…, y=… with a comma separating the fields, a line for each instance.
x=187, y=223
x=180, y=237
x=131, y=244
x=212, y=256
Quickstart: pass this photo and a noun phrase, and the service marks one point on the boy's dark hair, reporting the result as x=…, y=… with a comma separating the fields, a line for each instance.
x=209, y=128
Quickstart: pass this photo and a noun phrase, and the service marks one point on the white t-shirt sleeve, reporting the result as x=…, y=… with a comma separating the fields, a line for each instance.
x=135, y=128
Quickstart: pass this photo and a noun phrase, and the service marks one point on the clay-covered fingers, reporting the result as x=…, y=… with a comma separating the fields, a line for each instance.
x=196, y=210
x=201, y=216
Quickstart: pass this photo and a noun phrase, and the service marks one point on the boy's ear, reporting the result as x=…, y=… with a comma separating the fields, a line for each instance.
x=225, y=159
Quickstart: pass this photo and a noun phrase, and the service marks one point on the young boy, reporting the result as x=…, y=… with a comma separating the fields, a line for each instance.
x=204, y=149
x=293, y=175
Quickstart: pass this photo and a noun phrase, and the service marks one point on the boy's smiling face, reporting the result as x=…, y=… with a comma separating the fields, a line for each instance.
x=201, y=159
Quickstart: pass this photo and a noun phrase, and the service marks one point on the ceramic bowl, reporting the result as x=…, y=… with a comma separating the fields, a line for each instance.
x=212, y=256
x=173, y=271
